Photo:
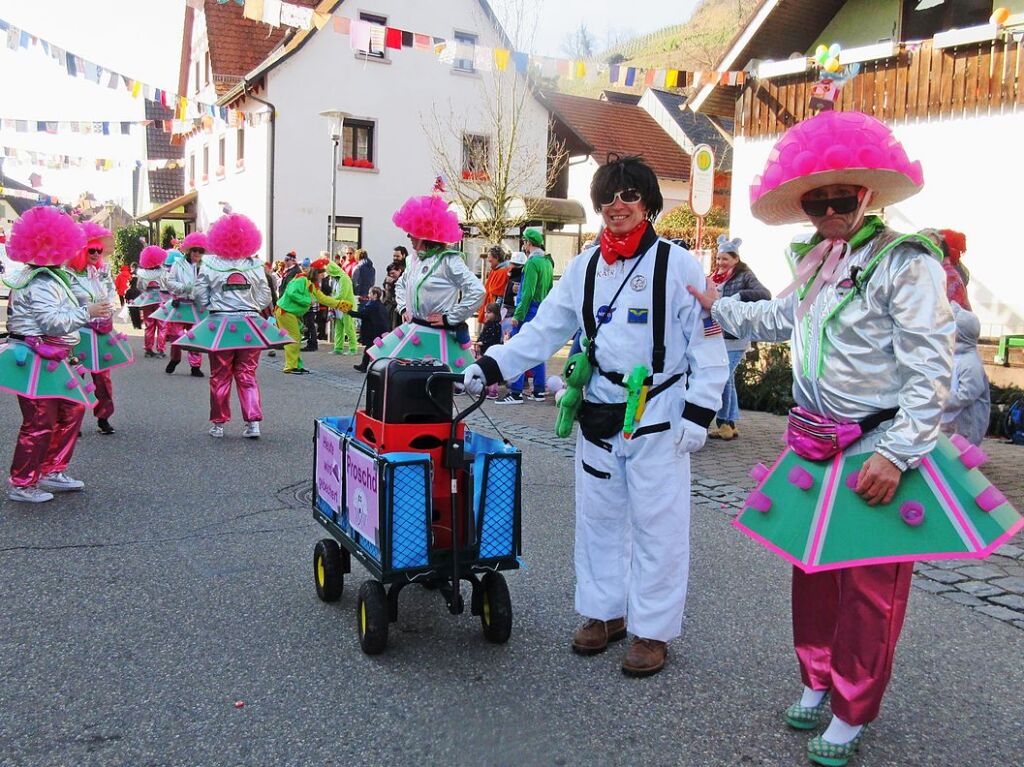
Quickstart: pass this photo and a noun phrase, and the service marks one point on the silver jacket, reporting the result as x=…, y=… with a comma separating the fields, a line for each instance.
x=147, y=276
x=181, y=280
x=216, y=290
x=44, y=306
x=93, y=285
x=449, y=287
x=891, y=346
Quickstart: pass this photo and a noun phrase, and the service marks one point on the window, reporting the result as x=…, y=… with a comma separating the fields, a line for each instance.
x=952, y=14
x=206, y=164
x=376, y=49
x=348, y=230
x=465, y=47
x=357, y=144
x=222, y=146
x=206, y=66
x=191, y=170
x=240, y=148
x=195, y=79
x=476, y=155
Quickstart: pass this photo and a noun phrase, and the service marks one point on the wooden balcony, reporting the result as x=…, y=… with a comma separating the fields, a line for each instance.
x=919, y=83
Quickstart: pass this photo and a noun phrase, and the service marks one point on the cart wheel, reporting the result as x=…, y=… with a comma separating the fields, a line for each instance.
x=328, y=569
x=496, y=612
x=372, y=617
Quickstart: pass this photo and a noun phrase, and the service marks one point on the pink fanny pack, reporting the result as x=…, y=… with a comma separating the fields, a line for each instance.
x=819, y=438
x=47, y=349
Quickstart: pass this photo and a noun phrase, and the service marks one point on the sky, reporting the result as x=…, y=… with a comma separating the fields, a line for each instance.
x=142, y=40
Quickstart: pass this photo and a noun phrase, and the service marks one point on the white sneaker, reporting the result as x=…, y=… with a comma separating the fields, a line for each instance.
x=251, y=429
x=30, y=494
x=216, y=430
x=59, y=482
x=510, y=399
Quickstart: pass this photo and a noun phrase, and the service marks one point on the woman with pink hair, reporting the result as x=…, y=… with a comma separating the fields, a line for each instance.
x=43, y=319
x=232, y=287
x=99, y=349
x=437, y=293
x=150, y=275
x=180, y=312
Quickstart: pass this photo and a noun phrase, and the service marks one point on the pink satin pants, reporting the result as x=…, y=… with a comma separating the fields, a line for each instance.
x=174, y=331
x=156, y=332
x=241, y=366
x=845, y=626
x=49, y=431
x=104, y=395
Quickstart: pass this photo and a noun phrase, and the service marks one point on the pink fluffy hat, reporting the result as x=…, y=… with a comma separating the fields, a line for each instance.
x=233, y=237
x=152, y=257
x=194, y=240
x=44, y=236
x=428, y=218
x=833, y=148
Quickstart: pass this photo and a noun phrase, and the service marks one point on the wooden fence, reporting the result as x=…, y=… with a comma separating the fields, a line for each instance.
x=916, y=84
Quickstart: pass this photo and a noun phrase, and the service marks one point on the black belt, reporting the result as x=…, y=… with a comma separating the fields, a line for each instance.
x=620, y=380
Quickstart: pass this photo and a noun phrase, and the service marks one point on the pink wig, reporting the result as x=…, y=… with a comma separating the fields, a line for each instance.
x=194, y=240
x=428, y=218
x=44, y=236
x=234, y=236
x=152, y=257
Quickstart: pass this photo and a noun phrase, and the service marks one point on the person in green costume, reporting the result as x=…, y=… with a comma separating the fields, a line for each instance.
x=293, y=304
x=344, y=325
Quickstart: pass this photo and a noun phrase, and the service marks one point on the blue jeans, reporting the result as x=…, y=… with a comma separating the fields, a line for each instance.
x=730, y=403
x=539, y=372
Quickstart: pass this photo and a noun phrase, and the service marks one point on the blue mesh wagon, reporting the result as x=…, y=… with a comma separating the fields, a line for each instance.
x=397, y=484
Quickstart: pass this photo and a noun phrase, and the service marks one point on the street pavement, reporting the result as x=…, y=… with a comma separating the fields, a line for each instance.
x=137, y=613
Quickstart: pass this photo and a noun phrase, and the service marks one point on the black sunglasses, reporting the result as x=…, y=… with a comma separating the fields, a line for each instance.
x=95, y=251
x=629, y=196
x=839, y=205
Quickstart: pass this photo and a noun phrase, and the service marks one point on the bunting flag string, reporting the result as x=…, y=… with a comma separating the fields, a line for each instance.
x=21, y=194
x=19, y=156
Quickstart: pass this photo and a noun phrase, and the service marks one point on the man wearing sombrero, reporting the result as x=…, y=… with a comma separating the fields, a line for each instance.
x=871, y=335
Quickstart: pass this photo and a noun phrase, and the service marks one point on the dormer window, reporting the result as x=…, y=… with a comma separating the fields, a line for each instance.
x=950, y=14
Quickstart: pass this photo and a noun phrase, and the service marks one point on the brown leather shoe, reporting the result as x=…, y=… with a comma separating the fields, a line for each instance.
x=644, y=657
x=595, y=635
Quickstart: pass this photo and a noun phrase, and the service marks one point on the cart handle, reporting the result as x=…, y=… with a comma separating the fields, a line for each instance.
x=460, y=415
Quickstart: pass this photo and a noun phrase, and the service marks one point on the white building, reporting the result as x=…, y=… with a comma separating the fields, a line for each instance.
x=279, y=172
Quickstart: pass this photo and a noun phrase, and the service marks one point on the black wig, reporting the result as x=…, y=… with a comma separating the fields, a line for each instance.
x=620, y=173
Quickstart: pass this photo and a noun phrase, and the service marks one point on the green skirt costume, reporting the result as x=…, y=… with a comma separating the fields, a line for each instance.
x=411, y=341
x=27, y=374
x=228, y=332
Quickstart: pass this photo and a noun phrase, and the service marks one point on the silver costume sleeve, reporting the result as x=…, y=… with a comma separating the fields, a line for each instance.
x=201, y=292
x=176, y=284
x=109, y=290
x=709, y=362
x=556, y=320
x=470, y=286
x=922, y=341
x=757, y=320
x=261, y=290
x=53, y=310
x=402, y=289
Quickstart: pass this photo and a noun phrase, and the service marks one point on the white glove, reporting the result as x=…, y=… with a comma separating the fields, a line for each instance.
x=473, y=380
x=690, y=437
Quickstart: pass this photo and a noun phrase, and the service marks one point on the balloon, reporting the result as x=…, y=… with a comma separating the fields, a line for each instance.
x=820, y=51
x=832, y=65
x=822, y=58
x=999, y=16
x=834, y=50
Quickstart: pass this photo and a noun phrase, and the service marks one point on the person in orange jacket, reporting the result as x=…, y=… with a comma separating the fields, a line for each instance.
x=497, y=279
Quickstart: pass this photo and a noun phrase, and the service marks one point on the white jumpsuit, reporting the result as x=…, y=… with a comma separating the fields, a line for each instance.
x=632, y=496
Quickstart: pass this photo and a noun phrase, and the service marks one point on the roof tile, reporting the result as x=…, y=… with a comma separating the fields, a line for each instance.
x=238, y=45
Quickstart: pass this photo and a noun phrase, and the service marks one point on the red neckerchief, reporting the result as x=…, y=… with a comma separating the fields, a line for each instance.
x=719, y=277
x=614, y=246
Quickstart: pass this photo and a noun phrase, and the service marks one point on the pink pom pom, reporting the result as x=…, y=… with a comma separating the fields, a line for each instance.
x=194, y=240
x=247, y=337
x=264, y=325
x=460, y=361
x=415, y=339
x=211, y=325
x=80, y=369
x=428, y=218
x=467, y=345
x=232, y=327
x=378, y=343
x=72, y=384
x=399, y=333
x=234, y=236
x=44, y=236
x=107, y=357
x=152, y=257
x=190, y=335
x=758, y=473
x=111, y=342
x=90, y=387
x=51, y=366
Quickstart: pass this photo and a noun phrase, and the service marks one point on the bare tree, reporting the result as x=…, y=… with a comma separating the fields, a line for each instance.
x=580, y=44
x=494, y=167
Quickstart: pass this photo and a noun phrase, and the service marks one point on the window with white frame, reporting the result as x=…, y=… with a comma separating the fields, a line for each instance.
x=222, y=151
x=465, y=50
x=240, y=147
x=195, y=78
x=206, y=163
x=377, y=48
x=206, y=68
x=191, y=170
x=348, y=231
x=476, y=157
x=357, y=143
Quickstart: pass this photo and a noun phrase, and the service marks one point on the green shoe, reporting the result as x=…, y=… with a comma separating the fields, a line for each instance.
x=820, y=751
x=806, y=717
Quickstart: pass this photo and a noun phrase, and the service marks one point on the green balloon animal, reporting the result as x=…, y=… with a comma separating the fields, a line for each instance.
x=577, y=374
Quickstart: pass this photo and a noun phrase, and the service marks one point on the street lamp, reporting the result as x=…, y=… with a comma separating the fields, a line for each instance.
x=335, y=125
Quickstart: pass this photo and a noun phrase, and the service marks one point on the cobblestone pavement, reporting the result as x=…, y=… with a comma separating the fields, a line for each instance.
x=992, y=586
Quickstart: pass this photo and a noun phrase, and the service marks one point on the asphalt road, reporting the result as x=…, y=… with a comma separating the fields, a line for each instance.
x=135, y=614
